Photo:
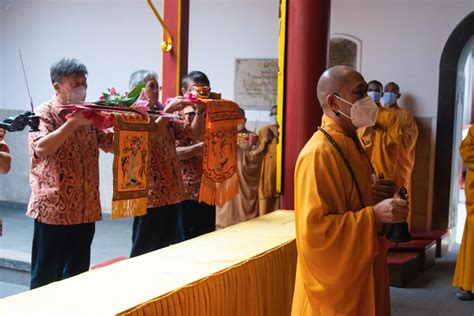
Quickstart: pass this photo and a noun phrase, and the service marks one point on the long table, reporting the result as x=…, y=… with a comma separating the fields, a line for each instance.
x=245, y=269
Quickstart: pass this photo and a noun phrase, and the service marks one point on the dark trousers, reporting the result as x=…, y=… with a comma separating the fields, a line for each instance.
x=59, y=252
x=155, y=230
x=195, y=219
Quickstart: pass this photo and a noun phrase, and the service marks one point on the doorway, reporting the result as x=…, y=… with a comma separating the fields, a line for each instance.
x=450, y=122
x=463, y=121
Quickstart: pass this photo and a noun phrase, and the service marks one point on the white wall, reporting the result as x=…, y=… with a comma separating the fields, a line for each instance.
x=402, y=41
x=112, y=38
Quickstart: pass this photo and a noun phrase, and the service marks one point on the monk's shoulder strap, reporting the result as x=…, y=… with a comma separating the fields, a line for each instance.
x=345, y=159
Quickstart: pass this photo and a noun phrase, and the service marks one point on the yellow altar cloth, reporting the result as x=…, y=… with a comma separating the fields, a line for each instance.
x=245, y=269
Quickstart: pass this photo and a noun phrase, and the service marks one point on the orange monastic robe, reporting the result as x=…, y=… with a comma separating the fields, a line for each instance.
x=382, y=142
x=269, y=198
x=464, y=274
x=406, y=156
x=342, y=267
x=244, y=205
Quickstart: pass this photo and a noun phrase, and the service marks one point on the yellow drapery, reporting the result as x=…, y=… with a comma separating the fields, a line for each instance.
x=246, y=269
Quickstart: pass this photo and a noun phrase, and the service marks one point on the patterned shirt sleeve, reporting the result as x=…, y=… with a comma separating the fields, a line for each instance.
x=46, y=126
x=182, y=130
x=105, y=139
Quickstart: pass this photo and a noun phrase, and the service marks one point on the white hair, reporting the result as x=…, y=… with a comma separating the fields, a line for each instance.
x=141, y=76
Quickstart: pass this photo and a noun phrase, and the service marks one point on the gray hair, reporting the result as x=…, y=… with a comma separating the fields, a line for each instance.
x=141, y=76
x=66, y=67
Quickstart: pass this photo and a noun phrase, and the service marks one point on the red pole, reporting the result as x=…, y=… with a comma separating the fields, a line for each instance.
x=175, y=63
x=306, y=59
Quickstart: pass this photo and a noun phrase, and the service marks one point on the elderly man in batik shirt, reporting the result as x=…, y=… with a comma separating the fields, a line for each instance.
x=64, y=180
x=196, y=218
x=158, y=228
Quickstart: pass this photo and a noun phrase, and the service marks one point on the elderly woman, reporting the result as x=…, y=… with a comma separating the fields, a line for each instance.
x=157, y=228
x=152, y=88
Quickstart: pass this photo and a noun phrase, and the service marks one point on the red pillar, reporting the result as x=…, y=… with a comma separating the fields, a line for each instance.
x=307, y=35
x=175, y=63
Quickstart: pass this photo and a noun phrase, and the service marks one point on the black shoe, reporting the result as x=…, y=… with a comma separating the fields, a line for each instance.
x=465, y=295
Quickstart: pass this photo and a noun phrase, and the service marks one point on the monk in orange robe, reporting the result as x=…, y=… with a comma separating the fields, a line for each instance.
x=383, y=140
x=342, y=268
x=244, y=205
x=269, y=198
x=464, y=273
x=406, y=153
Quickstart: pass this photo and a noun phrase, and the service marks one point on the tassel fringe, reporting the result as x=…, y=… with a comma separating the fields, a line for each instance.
x=129, y=207
x=218, y=194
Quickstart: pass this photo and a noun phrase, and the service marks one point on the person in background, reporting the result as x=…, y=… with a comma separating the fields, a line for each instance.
x=158, y=228
x=464, y=273
x=245, y=204
x=409, y=135
x=5, y=162
x=5, y=158
x=195, y=218
x=152, y=88
x=383, y=140
x=269, y=198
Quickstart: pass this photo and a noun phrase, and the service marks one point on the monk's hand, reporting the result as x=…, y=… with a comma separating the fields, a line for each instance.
x=383, y=188
x=177, y=104
x=391, y=211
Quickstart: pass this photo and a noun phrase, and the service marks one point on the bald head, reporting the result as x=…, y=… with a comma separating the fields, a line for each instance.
x=334, y=79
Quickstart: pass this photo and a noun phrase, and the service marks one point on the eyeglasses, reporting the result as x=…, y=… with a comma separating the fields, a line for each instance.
x=153, y=86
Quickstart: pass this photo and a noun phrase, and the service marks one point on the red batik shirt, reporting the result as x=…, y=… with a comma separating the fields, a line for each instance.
x=65, y=185
x=166, y=183
x=191, y=170
x=3, y=148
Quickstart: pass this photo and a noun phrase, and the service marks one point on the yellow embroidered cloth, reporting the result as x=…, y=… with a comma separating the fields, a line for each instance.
x=131, y=165
x=219, y=177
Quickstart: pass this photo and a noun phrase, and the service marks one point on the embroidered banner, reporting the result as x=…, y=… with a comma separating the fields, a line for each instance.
x=131, y=167
x=219, y=177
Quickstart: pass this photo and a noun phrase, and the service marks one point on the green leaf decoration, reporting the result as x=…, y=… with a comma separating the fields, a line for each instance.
x=121, y=100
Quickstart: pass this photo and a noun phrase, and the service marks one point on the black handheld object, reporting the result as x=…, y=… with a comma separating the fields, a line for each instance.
x=19, y=122
x=400, y=232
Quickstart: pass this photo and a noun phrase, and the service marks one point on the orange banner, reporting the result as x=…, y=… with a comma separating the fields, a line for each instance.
x=219, y=177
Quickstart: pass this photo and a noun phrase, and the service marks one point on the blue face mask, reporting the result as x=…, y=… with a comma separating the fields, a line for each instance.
x=374, y=95
x=389, y=98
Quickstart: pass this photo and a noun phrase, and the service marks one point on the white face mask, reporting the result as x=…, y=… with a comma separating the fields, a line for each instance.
x=363, y=112
x=77, y=94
